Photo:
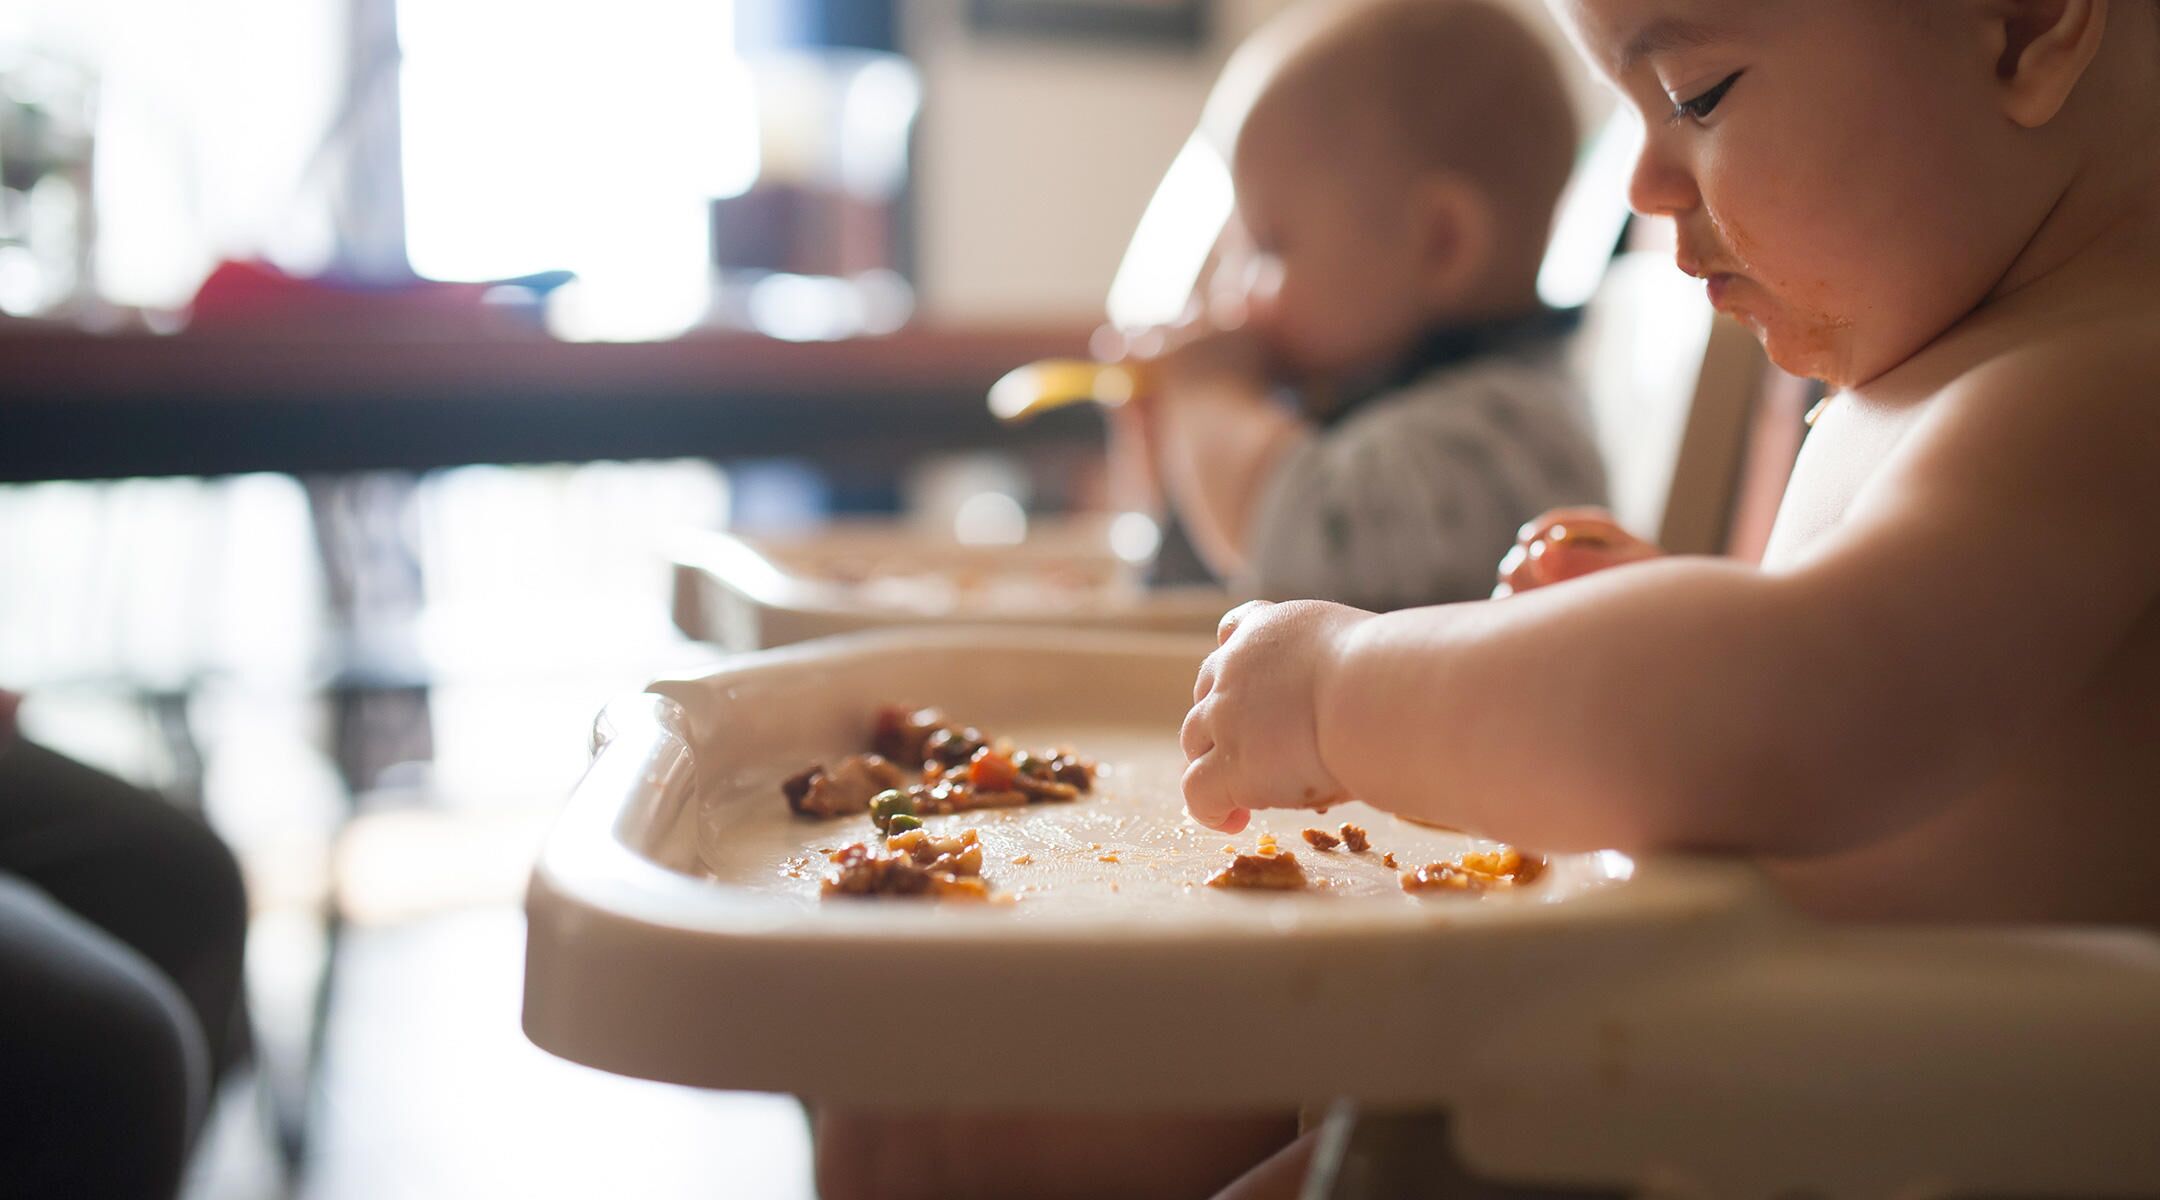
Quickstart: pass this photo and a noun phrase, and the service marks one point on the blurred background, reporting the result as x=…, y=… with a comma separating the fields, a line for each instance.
x=362, y=362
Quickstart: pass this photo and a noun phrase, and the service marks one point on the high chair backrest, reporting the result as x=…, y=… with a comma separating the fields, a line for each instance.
x=1671, y=385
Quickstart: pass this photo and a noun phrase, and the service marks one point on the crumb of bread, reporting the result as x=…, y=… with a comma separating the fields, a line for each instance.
x=1021, y=860
x=1354, y=837
x=1320, y=839
x=1388, y=861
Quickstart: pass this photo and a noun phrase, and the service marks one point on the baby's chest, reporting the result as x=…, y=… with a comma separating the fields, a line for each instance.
x=1844, y=452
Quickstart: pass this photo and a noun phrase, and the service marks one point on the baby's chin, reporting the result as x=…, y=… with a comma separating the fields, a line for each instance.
x=1812, y=345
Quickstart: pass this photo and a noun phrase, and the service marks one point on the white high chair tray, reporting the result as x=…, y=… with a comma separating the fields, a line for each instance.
x=749, y=593
x=1616, y=1021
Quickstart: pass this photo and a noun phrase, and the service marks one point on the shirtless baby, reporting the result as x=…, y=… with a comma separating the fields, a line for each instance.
x=1939, y=695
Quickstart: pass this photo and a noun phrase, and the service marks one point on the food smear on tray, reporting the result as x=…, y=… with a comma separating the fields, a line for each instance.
x=949, y=768
x=910, y=863
x=1477, y=871
x=917, y=764
x=938, y=766
x=1269, y=868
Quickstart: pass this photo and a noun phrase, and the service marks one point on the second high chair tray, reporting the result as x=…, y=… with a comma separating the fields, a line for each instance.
x=1619, y=1021
x=748, y=593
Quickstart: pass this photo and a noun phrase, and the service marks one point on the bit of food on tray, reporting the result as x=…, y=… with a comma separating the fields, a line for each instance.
x=910, y=863
x=1478, y=871
x=1354, y=837
x=1321, y=839
x=1270, y=868
x=843, y=789
x=922, y=764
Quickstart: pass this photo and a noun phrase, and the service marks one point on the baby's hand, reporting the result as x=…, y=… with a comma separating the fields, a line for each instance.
x=1199, y=357
x=1251, y=739
x=1565, y=543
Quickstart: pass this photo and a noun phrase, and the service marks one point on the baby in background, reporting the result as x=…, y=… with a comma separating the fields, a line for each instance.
x=1396, y=165
x=1946, y=670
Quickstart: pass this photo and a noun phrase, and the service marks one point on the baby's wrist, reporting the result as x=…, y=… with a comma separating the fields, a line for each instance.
x=1334, y=662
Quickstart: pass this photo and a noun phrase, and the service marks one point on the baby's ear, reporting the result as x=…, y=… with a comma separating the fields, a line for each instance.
x=1453, y=230
x=2045, y=46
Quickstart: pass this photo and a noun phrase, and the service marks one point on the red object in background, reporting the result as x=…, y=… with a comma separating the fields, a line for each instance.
x=255, y=296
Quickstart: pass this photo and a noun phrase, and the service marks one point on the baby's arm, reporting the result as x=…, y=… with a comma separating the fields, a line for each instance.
x=2002, y=552
x=1221, y=438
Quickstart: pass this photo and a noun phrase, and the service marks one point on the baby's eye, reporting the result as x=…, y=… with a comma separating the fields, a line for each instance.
x=1706, y=102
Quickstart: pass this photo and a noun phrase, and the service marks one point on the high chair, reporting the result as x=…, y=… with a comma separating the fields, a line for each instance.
x=1671, y=386
x=1662, y=1026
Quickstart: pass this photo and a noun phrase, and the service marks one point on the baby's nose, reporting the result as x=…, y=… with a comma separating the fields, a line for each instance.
x=1660, y=186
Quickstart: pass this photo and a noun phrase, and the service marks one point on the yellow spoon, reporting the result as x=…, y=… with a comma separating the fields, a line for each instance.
x=1057, y=382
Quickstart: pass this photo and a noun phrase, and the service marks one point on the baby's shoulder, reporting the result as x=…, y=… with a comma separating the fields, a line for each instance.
x=2070, y=413
x=2111, y=361
x=2091, y=384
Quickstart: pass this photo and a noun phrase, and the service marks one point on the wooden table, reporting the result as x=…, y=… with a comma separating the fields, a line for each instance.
x=82, y=406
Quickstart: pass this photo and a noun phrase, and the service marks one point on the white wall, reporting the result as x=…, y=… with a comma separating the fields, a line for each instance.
x=1035, y=158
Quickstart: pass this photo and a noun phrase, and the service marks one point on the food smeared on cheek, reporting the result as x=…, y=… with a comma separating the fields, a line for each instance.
x=1796, y=317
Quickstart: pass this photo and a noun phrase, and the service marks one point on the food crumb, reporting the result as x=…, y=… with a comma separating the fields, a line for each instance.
x=1321, y=839
x=1354, y=837
x=1266, y=871
x=1021, y=860
x=1475, y=872
x=1267, y=844
x=1228, y=848
x=1388, y=861
x=1108, y=858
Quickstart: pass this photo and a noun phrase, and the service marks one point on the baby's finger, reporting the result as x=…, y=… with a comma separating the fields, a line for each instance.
x=1511, y=573
x=1195, y=737
x=1561, y=559
x=1208, y=797
x=1205, y=681
x=1581, y=515
x=1230, y=621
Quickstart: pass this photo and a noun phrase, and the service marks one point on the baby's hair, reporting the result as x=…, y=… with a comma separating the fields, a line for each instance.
x=1462, y=86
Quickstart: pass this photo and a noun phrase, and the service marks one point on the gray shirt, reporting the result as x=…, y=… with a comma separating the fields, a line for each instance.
x=1414, y=497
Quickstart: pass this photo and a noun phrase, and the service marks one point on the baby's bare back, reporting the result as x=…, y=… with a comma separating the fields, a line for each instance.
x=2051, y=433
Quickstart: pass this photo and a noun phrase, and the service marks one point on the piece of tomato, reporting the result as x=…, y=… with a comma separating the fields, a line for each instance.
x=990, y=771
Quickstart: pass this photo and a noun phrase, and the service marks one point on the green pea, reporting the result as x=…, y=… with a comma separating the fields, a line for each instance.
x=890, y=803
x=901, y=823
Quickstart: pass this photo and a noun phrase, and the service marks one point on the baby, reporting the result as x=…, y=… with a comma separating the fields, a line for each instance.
x=1396, y=164
x=1938, y=698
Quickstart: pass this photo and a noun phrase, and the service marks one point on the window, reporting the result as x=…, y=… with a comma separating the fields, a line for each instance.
x=585, y=135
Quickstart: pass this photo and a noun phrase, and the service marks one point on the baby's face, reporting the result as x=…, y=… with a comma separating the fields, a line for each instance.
x=1838, y=171
x=1316, y=259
